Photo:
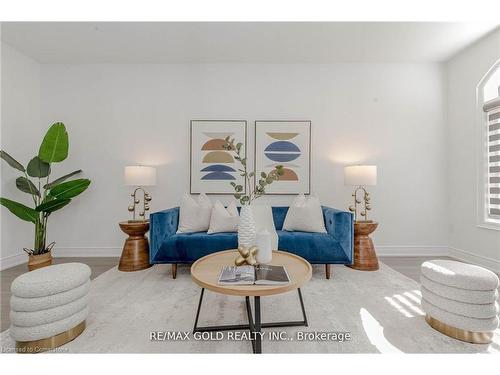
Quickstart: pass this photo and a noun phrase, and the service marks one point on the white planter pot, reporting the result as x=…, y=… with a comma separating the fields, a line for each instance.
x=246, y=227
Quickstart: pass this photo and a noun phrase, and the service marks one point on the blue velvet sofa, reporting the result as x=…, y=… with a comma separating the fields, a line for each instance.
x=333, y=247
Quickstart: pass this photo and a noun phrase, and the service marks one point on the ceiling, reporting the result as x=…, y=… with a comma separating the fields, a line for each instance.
x=243, y=42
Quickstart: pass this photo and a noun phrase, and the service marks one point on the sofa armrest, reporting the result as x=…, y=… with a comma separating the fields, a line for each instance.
x=340, y=225
x=162, y=225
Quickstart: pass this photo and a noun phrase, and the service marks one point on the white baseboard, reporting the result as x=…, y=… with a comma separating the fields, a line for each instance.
x=401, y=251
x=411, y=251
x=72, y=252
x=13, y=260
x=466, y=256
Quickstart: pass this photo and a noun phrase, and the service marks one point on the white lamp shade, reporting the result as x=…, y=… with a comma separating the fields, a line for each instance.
x=138, y=175
x=360, y=175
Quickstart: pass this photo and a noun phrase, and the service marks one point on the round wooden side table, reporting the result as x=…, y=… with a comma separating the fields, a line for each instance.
x=135, y=254
x=365, y=257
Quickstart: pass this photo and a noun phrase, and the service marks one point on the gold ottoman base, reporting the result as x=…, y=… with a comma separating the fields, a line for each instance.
x=459, y=334
x=43, y=345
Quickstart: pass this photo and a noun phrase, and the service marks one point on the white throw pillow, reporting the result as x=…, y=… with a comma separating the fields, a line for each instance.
x=194, y=215
x=305, y=215
x=263, y=218
x=224, y=219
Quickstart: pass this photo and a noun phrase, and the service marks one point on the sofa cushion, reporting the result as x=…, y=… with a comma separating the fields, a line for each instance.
x=192, y=246
x=315, y=247
x=305, y=215
x=194, y=215
x=224, y=219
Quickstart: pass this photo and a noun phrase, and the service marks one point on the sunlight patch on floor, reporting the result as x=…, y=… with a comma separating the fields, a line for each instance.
x=413, y=297
x=398, y=307
x=493, y=348
x=495, y=345
x=375, y=333
x=404, y=301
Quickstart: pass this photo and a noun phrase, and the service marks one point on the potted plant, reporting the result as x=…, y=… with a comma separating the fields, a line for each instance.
x=48, y=196
x=264, y=180
x=246, y=227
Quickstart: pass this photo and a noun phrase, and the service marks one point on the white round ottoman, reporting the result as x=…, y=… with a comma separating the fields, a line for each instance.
x=49, y=306
x=460, y=300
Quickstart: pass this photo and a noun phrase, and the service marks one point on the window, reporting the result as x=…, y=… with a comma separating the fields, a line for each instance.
x=490, y=176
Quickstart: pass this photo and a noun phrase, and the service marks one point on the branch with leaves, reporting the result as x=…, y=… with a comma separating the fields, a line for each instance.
x=47, y=196
x=264, y=180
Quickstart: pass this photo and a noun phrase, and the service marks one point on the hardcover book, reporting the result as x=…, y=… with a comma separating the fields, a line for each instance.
x=248, y=275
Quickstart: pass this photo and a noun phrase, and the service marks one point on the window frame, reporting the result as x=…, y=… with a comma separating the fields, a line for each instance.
x=484, y=220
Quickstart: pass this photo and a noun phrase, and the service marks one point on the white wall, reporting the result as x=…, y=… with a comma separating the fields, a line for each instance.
x=20, y=137
x=391, y=115
x=388, y=114
x=464, y=72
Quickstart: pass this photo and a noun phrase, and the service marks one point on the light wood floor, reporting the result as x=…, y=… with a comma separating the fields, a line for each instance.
x=408, y=266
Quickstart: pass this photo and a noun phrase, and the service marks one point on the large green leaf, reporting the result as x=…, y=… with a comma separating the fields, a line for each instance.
x=20, y=210
x=26, y=186
x=11, y=161
x=55, y=144
x=52, y=205
x=48, y=198
x=70, y=189
x=61, y=179
x=38, y=168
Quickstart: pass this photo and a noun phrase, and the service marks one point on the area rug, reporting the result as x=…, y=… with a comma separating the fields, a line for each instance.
x=353, y=312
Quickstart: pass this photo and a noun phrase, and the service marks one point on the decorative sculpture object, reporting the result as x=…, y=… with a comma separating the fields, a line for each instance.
x=145, y=204
x=365, y=209
x=139, y=176
x=360, y=176
x=247, y=255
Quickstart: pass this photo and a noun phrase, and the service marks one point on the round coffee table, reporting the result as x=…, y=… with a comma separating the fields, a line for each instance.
x=205, y=272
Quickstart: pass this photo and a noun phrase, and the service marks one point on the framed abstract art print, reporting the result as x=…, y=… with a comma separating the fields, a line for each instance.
x=286, y=143
x=212, y=167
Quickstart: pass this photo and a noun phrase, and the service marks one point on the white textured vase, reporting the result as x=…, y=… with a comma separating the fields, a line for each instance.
x=246, y=227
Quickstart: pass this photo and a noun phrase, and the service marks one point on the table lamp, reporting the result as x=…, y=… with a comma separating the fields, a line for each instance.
x=360, y=176
x=139, y=176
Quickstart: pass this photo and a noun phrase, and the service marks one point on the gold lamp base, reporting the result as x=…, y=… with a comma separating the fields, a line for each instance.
x=460, y=334
x=49, y=343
